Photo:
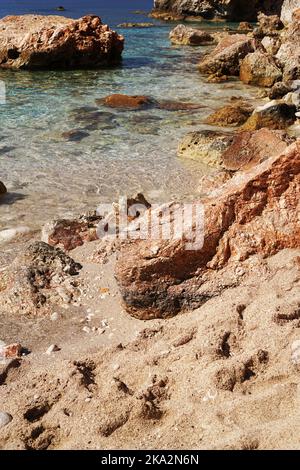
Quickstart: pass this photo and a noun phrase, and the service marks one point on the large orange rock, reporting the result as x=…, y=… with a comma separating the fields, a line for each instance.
x=54, y=42
x=254, y=215
x=225, y=58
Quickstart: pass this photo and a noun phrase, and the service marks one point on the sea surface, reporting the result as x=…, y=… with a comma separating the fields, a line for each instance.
x=124, y=152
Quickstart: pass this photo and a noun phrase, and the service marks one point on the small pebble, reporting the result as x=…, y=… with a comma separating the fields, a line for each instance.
x=86, y=329
x=116, y=366
x=54, y=316
x=5, y=418
x=101, y=331
x=52, y=348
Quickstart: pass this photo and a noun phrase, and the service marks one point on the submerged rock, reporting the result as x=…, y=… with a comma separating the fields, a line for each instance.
x=230, y=115
x=205, y=146
x=238, y=232
x=170, y=105
x=274, y=115
x=225, y=58
x=76, y=135
x=54, y=42
x=126, y=101
x=182, y=35
x=259, y=68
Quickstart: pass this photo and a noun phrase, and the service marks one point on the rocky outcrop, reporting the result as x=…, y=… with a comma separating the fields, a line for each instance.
x=288, y=8
x=182, y=35
x=205, y=146
x=225, y=58
x=249, y=149
x=230, y=115
x=53, y=42
x=274, y=115
x=259, y=69
x=256, y=214
x=235, y=10
x=3, y=189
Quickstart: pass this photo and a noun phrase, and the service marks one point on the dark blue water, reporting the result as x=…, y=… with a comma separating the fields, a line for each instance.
x=112, y=11
x=124, y=152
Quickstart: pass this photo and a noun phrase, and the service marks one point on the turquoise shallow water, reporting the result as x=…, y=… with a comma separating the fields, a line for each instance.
x=124, y=152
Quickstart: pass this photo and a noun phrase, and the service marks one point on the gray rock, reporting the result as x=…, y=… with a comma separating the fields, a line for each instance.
x=5, y=418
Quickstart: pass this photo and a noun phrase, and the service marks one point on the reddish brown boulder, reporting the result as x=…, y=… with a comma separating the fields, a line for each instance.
x=255, y=215
x=225, y=58
x=251, y=148
x=126, y=101
x=54, y=42
x=259, y=69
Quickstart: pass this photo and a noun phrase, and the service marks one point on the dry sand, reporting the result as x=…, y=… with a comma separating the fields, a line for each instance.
x=224, y=376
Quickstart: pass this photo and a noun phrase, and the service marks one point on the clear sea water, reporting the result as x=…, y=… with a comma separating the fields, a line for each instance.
x=125, y=152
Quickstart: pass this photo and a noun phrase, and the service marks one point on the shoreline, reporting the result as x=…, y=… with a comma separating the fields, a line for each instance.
x=141, y=343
